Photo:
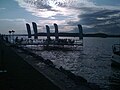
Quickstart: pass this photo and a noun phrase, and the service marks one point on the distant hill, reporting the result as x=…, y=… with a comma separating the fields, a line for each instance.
x=97, y=35
x=103, y=35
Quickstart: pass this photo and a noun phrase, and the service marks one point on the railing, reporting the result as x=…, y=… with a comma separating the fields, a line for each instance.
x=49, y=42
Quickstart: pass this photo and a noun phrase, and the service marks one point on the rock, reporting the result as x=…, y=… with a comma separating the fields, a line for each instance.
x=77, y=79
x=50, y=63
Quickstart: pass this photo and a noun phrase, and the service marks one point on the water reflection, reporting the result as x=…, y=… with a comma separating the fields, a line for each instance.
x=93, y=62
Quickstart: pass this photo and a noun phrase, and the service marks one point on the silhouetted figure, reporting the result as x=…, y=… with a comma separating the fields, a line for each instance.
x=16, y=40
x=21, y=40
x=6, y=39
x=1, y=36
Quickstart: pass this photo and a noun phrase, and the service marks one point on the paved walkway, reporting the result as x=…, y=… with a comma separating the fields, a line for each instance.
x=20, y=75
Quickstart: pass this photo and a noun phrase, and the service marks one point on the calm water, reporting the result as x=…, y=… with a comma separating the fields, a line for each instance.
x=93, y=61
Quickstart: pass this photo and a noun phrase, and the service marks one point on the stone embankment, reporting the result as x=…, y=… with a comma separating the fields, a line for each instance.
x=26, y=70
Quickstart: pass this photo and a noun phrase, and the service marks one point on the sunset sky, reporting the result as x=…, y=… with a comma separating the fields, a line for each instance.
x=93, y=15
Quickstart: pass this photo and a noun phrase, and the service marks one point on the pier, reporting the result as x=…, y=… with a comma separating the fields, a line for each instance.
x=49, y=41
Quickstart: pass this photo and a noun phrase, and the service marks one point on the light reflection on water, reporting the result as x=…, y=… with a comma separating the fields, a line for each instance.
x=93, y=62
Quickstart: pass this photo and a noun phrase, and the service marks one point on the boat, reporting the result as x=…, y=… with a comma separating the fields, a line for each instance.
x=116, y=55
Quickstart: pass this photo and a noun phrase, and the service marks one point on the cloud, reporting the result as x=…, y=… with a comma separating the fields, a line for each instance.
x=2, y=9
x=51, y=8
x=14, y=20
x=107, y=21
x=72, y=12
x=45, y=8
x=100, y=16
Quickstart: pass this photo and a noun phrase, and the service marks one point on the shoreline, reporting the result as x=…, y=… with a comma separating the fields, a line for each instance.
x=59, y=77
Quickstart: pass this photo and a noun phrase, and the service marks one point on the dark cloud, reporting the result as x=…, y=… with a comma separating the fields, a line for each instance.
x=107, y=21
x=101, y=13
x=100, y=17
x=40, y=4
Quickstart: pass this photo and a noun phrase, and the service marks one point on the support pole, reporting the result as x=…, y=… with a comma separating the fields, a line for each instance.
x=80, y=31
x=35, y=30
x=48, y=32
x=56, y=32
x=28, y=30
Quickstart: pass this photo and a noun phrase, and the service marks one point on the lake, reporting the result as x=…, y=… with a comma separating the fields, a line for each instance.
x=92, y=61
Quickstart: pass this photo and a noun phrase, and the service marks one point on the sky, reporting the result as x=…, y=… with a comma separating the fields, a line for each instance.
x=96, y=16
